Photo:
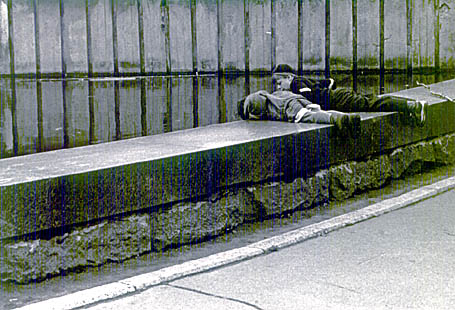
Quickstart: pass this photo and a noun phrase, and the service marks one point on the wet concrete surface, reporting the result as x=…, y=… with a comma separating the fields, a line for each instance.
x=12, y=295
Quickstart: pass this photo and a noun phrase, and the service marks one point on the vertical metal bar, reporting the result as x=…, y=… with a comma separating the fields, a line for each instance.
x=437, y=65
x=114, y=36
x=118, y=134
x=219, y=14
x=89, y=38
x=14, y=117
x=39, y=109
x=381, y=47
x=222, y=117
x=167, y=121
x=64, y=83
x=273, y=32
x=220, y=77
x=143, y=107
x=221, y=99
x=247, y=85
x=194, y=35
x=354, y=45
x=195, y=101
x=39, y=89
x=91, y=100
x=220, y=42
x=140, y=15
x=327, y=38
x=13, y=76
x=37, y=40
x=246, y=19
x=10, y=38
x=409, y=5
x=300, y=37
x=62, y=38
x=65, y=115
x=91, y=112
x=165, y=28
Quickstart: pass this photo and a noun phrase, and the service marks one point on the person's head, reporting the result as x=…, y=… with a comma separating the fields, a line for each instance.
x=282, y=81
x=283, y=68
x=253, y=106
x=282, y=76
x=241, y=108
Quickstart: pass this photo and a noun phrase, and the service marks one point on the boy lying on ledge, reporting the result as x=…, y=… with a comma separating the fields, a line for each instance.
x=325, y=93
x=283, y=105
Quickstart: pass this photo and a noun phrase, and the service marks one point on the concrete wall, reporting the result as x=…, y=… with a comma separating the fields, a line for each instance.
x=111, y=37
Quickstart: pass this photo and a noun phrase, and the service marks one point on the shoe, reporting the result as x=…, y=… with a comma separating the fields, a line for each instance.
x=332, y=85
x=341, y=122
x=419, y=113
x=354, y=124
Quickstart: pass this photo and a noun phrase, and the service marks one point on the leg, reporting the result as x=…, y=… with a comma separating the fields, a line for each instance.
x=414, y=109
x=320, y=117
x=344, y=123
x=389, y=104
x=346, y=100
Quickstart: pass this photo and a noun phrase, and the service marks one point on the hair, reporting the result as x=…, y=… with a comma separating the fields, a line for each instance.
x=283, y=68
x=240, y=108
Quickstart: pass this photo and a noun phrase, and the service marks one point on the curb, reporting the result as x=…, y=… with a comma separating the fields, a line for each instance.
x=141, y=282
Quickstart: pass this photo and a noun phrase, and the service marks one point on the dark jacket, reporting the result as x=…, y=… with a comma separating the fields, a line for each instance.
x=314, y=90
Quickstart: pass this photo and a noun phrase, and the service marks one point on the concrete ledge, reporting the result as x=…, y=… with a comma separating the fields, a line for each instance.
x=74, y=186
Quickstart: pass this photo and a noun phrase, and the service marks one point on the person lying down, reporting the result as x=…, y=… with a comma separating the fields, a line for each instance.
x=283, y=105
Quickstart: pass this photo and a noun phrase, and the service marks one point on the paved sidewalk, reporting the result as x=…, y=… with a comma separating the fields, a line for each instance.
x=403, y=259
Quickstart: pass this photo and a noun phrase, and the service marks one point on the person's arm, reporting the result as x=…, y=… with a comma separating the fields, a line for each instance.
x=313, y=107
x=300, y=85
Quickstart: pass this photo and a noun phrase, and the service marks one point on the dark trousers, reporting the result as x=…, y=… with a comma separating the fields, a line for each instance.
x=346, y=100
x=321, y=117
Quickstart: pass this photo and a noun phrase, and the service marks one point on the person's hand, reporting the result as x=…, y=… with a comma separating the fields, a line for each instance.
x=313, y=107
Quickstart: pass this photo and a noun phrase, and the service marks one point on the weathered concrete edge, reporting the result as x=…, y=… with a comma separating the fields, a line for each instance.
x=137, y=283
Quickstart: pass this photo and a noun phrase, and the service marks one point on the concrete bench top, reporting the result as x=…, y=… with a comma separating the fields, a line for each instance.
x=64, y=162
x=84, y=159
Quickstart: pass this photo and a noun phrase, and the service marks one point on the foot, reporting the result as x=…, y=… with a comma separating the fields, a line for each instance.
x=332, y=84
x=354, y=121
x=341, y=122
x=418, y=113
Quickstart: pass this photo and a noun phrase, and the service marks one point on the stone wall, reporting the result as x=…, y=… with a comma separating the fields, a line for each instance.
x=190, y=222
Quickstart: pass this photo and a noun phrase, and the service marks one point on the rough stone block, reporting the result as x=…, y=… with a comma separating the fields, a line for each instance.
x=96, y=245
x=193, y=222
x=277, y=198
x=342, y=181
